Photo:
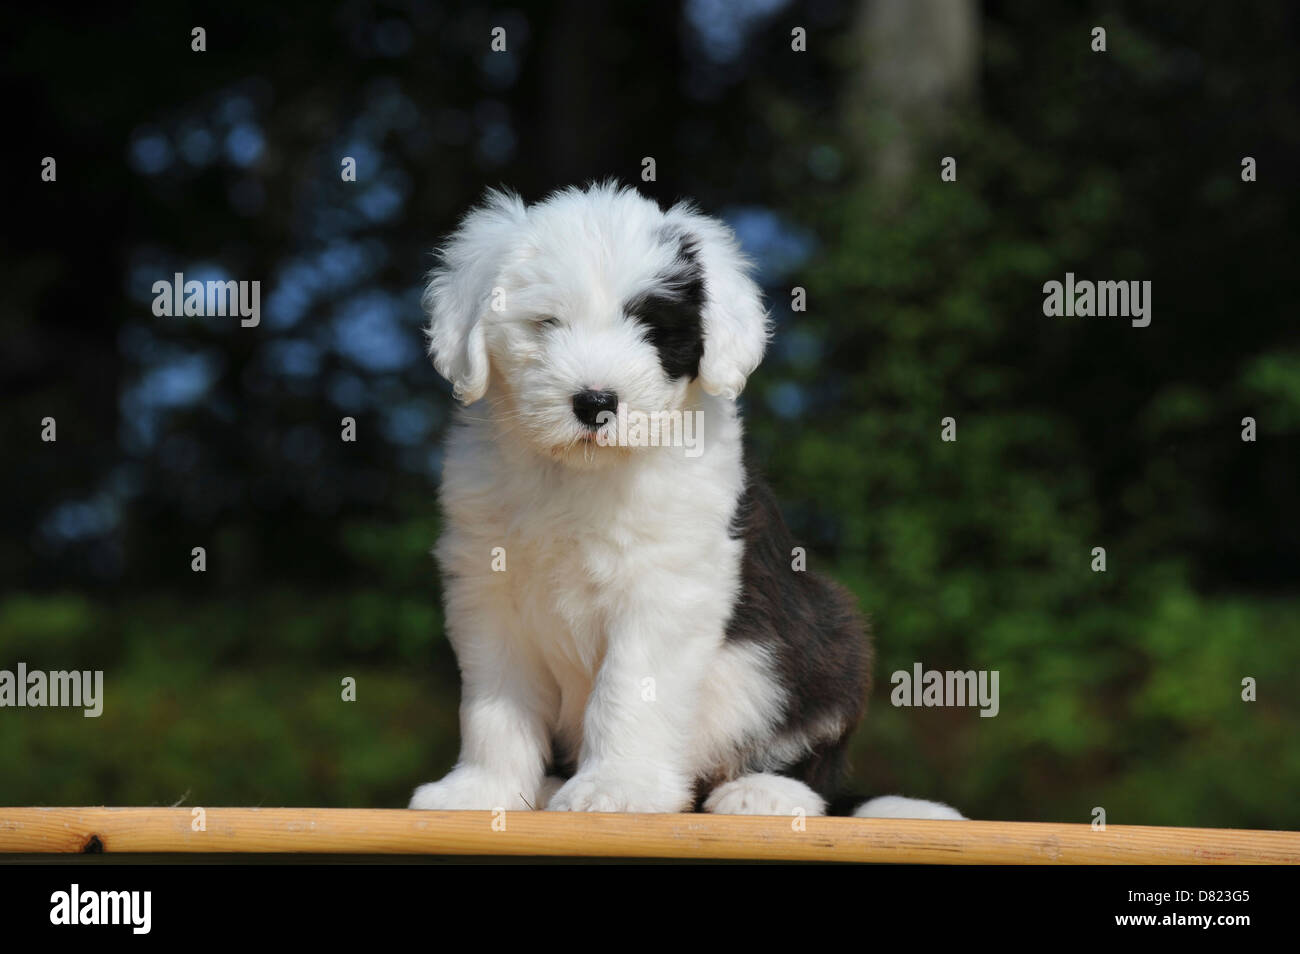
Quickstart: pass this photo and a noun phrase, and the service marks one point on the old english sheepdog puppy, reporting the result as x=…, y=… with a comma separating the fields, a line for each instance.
x=621, y=591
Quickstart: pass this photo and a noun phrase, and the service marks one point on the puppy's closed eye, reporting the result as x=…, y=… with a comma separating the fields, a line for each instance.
x=547, y=321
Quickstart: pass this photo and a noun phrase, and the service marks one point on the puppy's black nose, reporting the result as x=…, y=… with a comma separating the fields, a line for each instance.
x=588, y=404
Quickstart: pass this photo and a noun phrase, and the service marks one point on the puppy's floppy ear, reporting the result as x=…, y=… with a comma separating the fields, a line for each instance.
x=459, y=291
x=735, y=321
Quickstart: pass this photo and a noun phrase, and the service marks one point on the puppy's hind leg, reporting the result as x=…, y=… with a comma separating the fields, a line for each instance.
x=764, y=793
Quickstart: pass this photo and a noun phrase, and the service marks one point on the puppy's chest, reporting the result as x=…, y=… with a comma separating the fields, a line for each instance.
x=553, y=579
x=572, y=575
x=579, y=558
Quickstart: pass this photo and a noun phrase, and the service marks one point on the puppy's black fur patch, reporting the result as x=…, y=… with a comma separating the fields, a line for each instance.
x=819, y=643
x=671, y=314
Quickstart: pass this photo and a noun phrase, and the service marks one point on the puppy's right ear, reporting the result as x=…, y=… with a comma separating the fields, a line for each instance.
x=459, y=292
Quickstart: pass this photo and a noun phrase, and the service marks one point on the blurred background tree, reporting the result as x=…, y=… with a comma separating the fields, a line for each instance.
x=1120, y=689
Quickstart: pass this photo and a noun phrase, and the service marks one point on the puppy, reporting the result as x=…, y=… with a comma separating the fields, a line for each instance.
x=621, y=591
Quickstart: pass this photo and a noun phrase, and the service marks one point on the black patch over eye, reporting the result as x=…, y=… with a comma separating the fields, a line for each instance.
x=671, y=315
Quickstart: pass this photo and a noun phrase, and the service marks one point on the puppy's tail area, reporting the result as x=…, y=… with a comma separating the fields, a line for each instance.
x=892, y=806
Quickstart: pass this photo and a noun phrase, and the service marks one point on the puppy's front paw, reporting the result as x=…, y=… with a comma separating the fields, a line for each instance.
x=895, y=806
x=764, y=794
x=609, y=789
x=470, y=788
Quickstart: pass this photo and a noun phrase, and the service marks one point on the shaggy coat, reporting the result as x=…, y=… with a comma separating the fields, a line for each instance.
x=633, y=630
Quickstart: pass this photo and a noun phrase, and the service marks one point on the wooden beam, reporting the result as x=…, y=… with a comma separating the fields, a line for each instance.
x=393, y=831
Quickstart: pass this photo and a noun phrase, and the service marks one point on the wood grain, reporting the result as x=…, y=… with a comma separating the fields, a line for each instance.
x=385, y=831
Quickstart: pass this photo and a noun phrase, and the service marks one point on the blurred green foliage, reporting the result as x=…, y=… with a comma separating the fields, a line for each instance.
x=238, y=702
x=1120, y=689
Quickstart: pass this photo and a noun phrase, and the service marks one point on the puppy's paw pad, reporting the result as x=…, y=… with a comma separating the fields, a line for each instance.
x=764, y=794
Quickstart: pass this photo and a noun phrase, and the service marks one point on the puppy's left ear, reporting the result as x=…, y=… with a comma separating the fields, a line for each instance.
x=736, y=325
x=458, y=295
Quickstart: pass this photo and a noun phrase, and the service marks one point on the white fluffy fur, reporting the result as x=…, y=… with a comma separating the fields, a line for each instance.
x=605, y=633
x=763, y=793
x=895, y=806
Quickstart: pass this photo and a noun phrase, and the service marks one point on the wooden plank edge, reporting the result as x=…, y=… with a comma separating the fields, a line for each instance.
x=562, y=834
